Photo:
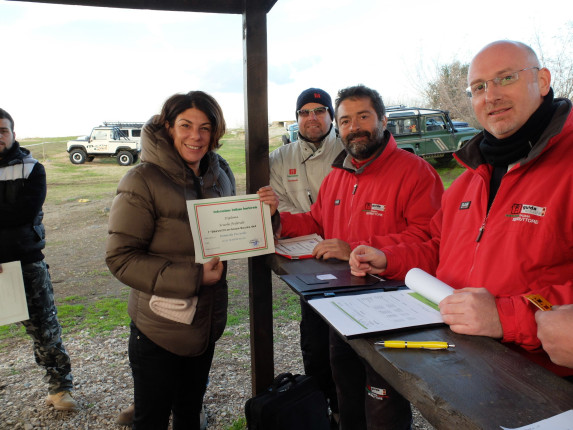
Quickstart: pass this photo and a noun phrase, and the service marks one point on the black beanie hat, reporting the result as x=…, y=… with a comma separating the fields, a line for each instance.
x=314, y=95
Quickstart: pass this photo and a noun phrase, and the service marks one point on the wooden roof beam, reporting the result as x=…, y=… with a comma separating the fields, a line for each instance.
x=210, y=6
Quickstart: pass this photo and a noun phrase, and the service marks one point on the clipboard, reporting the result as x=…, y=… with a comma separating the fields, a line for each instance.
x=294, y=257
x=334, y=282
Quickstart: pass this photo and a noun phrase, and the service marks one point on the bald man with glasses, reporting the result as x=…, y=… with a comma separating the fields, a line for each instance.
x=505, y=227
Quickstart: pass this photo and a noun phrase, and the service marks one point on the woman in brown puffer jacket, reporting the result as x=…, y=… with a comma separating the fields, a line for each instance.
x=150, y=249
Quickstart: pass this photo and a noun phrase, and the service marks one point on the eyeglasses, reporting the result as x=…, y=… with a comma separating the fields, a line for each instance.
x=479, y=88
x=317, y=111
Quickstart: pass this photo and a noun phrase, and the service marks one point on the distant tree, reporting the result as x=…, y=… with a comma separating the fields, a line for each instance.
x=447, y=91
x=559, y=61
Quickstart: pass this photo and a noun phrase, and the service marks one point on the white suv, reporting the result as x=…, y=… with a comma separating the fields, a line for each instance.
x=112, y=139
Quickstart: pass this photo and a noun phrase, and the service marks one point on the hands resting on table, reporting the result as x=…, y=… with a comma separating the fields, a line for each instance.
x=473, y=311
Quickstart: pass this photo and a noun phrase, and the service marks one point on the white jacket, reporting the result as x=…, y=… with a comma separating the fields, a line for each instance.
x=297, y=181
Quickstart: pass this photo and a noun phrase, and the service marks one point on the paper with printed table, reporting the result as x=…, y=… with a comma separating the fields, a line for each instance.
x=354, y=315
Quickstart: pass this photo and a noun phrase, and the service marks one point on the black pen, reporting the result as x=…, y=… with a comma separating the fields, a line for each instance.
x=309, y=196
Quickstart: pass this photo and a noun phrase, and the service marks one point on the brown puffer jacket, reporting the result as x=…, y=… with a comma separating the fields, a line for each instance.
x=150, y=246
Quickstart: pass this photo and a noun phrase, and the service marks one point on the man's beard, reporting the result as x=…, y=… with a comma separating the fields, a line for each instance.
x=363, y=151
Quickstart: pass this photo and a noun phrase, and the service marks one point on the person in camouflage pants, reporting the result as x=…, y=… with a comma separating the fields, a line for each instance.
x=22, y=238
x=44, y=328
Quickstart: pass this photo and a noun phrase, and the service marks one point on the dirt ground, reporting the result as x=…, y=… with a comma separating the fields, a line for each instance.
x=75, y=251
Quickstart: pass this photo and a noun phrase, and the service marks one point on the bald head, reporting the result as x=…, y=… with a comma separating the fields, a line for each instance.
x=504, y=51
x=503, y=109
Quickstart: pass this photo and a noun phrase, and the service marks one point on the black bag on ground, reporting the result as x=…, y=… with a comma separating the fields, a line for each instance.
x=294, y=402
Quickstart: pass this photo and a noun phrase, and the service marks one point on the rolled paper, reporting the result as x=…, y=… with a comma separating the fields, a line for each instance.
x=427, y=285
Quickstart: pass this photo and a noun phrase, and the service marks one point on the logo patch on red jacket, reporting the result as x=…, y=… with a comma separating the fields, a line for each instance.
x=533, y=210
x=376, y=209
x=521, y=212
x=465, y=205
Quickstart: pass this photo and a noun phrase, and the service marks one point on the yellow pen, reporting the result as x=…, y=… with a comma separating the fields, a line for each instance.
x=414, y=345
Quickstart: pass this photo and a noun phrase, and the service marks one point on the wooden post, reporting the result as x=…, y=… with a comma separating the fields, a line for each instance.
x=257, y=160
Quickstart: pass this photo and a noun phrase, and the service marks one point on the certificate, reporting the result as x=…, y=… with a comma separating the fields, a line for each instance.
x=230, y=227
x=13, y=306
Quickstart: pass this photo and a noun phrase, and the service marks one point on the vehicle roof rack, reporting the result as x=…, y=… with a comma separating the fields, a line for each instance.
x=417, y=110
x=123, y=124
x=395, y=107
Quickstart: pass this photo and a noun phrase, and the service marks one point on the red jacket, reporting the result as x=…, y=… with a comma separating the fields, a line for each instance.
x=527, y=239
x=387, y=201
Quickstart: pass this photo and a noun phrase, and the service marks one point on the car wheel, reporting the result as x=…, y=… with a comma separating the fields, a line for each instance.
x=78, y=156
x=124, y=158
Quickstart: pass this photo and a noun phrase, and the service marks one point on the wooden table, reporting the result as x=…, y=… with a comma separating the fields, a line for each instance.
x=480, y=384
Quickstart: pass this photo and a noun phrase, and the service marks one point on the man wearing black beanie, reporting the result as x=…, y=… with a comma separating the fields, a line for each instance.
x=376, y=194
x=297, y=169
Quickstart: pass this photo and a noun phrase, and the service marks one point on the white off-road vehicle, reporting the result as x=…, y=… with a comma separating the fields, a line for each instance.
x=112, y=139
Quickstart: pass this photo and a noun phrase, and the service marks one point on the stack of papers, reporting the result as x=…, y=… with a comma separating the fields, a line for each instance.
x=297, y=247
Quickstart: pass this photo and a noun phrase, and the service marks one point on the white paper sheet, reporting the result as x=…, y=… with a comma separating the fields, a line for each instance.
x=563, y=421
x=357, y=314
x=298, y=247
x=427, y=285
x=13, y=306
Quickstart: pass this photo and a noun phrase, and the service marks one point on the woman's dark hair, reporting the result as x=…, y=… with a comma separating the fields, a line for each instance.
x=179, y=103
x=359, y=92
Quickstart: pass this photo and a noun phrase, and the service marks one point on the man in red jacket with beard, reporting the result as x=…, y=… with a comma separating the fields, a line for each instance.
x=376, y=194
x=505, y=227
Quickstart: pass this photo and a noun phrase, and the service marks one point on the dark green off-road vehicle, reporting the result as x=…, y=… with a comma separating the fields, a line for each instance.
x=429, y=133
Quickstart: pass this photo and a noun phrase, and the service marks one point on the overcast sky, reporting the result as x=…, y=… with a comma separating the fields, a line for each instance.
x=65, y=69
